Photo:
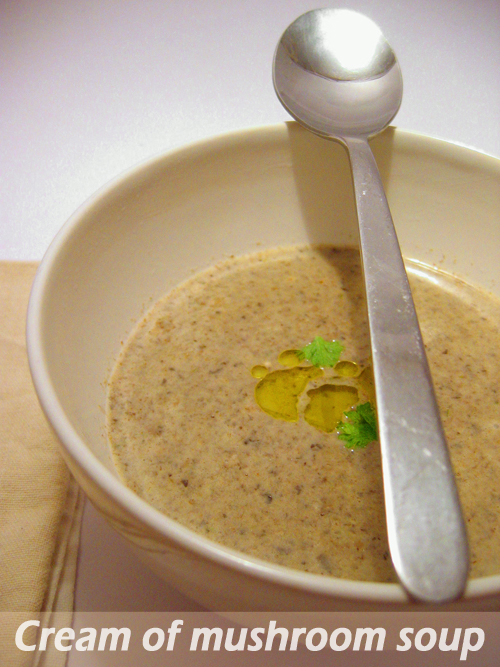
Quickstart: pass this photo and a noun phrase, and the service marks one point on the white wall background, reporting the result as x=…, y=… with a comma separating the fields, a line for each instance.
x=90, y=87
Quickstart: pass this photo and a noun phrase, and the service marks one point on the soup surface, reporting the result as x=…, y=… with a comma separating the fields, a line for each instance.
x=188, y=435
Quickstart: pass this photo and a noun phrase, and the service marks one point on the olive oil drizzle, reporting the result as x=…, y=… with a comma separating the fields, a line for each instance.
x=278, y=392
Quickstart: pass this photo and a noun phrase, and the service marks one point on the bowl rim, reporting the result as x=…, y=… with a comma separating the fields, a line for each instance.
x=75, y=448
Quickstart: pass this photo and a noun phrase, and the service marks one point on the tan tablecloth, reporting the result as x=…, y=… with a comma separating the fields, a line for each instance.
x=40, y=504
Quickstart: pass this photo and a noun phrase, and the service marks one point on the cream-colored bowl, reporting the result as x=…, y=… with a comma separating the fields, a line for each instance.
x=185, y=210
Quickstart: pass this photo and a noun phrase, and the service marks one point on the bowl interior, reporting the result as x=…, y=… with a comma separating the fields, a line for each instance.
x=231, y=195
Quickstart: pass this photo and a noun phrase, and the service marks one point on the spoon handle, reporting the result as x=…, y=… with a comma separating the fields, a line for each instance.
x=426, y=531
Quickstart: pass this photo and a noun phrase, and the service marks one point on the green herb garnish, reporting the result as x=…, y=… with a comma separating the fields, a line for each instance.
x=360, y=427
x=321, y=352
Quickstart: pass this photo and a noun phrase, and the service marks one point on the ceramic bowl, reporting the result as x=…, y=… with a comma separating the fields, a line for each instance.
x=184, y=210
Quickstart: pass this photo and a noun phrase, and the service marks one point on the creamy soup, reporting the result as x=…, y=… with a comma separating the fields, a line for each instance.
x=189, y=436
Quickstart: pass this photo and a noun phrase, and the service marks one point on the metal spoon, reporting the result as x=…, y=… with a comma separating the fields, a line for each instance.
x=336, y=74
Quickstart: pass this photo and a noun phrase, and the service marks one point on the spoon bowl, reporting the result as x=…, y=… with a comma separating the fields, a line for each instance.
x=337, y=75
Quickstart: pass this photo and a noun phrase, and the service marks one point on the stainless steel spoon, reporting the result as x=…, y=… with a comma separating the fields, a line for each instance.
x=336, y=74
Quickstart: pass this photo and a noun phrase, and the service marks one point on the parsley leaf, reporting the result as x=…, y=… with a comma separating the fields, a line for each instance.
x=321, y=352
x=360, y=427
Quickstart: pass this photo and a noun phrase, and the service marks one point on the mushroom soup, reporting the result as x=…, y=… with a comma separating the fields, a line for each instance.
x=218, y=420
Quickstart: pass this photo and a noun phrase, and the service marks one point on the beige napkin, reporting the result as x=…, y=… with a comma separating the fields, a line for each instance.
x=40, y=504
